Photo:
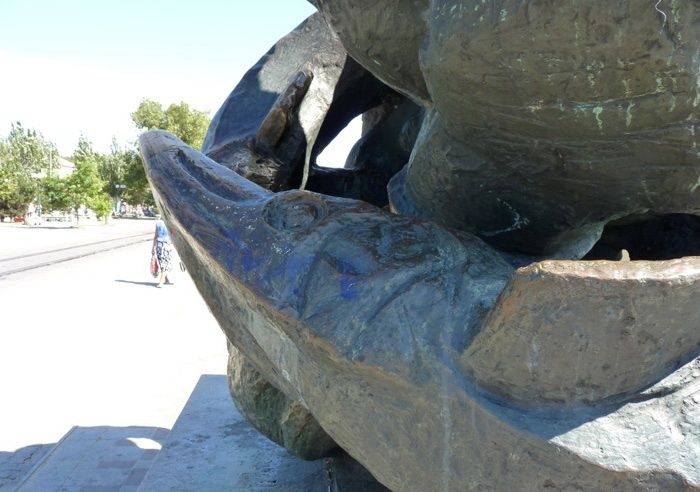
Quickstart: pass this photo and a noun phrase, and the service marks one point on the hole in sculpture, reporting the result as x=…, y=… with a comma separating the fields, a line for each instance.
x=144, y=443
x=662, y=237
x=336, y=153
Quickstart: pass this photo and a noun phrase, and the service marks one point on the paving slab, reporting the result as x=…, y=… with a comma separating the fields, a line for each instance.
x=213, y=448
x=96, y=458
x=90, y=347
x=16, y=465
x=93, y=343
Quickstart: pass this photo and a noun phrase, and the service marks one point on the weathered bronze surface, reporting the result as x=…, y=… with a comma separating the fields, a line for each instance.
x=481, y=335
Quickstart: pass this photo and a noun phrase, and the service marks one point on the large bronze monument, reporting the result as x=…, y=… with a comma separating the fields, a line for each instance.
x=454, y=307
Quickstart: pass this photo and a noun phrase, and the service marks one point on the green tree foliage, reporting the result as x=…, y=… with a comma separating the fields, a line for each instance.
x=150, y=115
x=137, y=188
x=84, y=153
x=186, y=123
x=102, y=205
x=84, y=186
x=53, y=194
x=111, y=169
x=124, y=176
x=23, y=154
x=17, y=189
x=29, y=150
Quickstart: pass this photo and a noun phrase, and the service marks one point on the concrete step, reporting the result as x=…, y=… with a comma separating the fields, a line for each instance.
x=96, y=459
x=15, y=465
x=213, y=448
x=210, y=448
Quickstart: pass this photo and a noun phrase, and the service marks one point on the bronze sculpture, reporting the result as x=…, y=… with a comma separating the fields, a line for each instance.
x=481, y=335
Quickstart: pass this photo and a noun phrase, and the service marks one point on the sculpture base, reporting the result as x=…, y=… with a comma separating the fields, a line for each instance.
x=212, y=447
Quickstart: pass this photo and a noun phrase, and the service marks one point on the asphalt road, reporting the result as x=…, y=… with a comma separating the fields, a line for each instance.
x=89, y=341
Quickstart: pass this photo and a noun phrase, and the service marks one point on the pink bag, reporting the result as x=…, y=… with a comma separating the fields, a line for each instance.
x=154, y=266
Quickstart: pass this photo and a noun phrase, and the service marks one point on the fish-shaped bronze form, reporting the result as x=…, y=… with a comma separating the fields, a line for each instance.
x=424, y=353
x=457, y=341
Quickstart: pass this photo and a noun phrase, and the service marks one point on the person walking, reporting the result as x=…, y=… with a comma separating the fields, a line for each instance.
x=163, y=251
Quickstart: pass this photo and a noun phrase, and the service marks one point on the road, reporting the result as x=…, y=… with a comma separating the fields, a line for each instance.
x=24, y=248
x=90, y=341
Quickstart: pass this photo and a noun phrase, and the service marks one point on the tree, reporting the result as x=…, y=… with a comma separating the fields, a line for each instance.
x=137, y=188
x=150, y=115
x=52, y=194
x=85, y=153
x=23, y=155
x=188, y=124
x=102, y=205
x=29, y=150
x=17, y=189
x=84, y=186
x=124, y=176
x=111, y=169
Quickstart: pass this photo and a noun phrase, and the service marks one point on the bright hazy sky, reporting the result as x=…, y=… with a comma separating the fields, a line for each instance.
x=82, y=66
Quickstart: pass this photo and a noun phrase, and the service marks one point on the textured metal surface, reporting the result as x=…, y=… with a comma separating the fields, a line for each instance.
x=367, y=318
x=449, y=346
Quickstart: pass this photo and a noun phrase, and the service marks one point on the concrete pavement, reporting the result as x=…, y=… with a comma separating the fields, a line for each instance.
x=92, y=343
x=94, y=357
x=22, y=240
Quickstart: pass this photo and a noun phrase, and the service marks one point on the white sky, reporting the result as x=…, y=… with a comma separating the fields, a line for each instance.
x=80, y=67
x=66, y=98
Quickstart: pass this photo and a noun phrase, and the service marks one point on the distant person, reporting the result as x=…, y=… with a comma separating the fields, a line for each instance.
x=163, y=251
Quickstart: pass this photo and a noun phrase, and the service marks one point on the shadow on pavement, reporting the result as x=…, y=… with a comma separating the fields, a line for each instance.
x=101, y=457
x=15, y=465
x=149, y=284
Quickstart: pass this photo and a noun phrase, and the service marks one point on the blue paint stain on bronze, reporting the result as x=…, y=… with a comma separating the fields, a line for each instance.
x=348, y=288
